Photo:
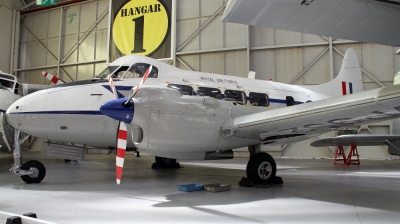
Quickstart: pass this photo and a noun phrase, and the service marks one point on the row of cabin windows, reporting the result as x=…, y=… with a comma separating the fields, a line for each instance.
x=256, y=99
x=138, y=70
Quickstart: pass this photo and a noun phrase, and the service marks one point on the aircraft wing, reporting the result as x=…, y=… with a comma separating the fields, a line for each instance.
x=392, y=141
x=291, y=124
x=356, y=140
x=374, y=21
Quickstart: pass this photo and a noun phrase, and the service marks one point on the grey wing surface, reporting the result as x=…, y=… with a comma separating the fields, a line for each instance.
x=295, y=123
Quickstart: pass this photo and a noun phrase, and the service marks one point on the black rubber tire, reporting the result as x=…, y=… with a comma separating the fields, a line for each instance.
x=261, y=168
x=34, y=178
x=165, y=162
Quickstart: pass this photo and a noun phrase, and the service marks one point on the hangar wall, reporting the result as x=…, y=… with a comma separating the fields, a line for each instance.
x=6, y=12
x=72, y=42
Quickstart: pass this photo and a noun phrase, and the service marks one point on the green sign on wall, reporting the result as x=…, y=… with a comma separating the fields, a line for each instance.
x=46, y=2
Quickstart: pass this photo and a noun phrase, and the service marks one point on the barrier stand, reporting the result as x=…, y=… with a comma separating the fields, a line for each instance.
x=353, y=152
x=346, y=161
x=340, y=152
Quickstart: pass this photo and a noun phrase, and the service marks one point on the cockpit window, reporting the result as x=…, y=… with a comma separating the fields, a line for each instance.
x=139, y=69
x=109, y=70
x=7, y=76
x=18, y=89
x=7, y=83
x=135, y=71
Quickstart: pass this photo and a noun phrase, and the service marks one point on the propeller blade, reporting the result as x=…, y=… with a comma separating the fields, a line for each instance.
x=52, y=78
x=112, y=86
x=121, y=149
x=146, y=74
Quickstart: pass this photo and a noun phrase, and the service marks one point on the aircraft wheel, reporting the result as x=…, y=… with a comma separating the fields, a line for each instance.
x=165, y=162
x=261, y=168
x=38, y=169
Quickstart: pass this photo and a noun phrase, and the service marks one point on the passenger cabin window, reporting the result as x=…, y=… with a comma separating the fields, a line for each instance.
x=235, y=95
x=259, y=99
x=185, y=90
x=139, y=69
x=211, y=92
x=289, y=101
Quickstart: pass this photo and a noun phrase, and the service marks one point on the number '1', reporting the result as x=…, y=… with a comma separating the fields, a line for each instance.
x=139, y=35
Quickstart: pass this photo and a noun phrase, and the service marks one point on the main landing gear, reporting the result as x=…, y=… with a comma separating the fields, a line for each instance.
x=162, y=162
x=31, y=171
x=261, y=168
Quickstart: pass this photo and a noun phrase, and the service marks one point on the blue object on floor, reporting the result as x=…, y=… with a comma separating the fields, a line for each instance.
x=190, y=187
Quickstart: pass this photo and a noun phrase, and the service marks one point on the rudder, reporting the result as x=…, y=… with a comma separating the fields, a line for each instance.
x=348, y=81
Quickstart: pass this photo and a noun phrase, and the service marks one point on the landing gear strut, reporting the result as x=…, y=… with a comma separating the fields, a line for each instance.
x=31, y=171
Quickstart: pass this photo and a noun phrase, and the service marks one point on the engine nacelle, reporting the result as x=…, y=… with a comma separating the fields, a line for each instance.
x=172, y=122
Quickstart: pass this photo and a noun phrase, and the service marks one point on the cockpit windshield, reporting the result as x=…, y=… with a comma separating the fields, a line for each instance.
x=139, y=69
x=107, y=71
x=7, y=83
x=135, y=71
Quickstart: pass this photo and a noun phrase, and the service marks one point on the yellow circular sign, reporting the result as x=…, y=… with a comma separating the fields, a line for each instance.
x=141, y=26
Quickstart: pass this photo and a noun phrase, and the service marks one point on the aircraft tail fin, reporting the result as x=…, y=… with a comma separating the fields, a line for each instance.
x=348, y=81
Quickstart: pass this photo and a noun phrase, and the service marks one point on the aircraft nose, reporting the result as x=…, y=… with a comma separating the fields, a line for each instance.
x=14, y=114
x=116, y=110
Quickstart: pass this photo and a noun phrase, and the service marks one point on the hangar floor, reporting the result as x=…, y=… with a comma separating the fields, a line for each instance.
x=314, y=191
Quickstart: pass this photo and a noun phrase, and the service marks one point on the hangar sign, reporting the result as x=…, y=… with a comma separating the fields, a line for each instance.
x=140, y=27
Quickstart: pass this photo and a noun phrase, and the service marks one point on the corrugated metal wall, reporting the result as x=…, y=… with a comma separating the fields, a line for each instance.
x=203, y=43
x=85, y=23
x=6, y=13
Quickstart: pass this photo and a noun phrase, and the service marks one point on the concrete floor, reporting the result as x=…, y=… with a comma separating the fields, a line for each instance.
x=314, y=191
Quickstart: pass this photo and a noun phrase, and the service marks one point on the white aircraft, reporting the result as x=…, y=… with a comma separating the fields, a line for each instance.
x=192, y=115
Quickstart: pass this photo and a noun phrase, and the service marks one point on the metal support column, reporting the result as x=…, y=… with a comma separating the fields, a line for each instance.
x=173, y=33
x=248, y=49
x=331, y=57
x=61, y=42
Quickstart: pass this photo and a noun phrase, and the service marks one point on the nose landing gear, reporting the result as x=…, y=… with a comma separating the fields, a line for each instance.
x=31, y=171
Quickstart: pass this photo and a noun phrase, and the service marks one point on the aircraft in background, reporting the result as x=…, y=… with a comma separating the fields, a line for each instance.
x=361, y=20
x=190, y=115
x=11, y=89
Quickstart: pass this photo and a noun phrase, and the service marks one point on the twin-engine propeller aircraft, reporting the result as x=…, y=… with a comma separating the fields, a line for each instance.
x=192, y=115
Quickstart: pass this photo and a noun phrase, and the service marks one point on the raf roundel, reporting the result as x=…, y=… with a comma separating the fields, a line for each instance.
x=141, y=27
